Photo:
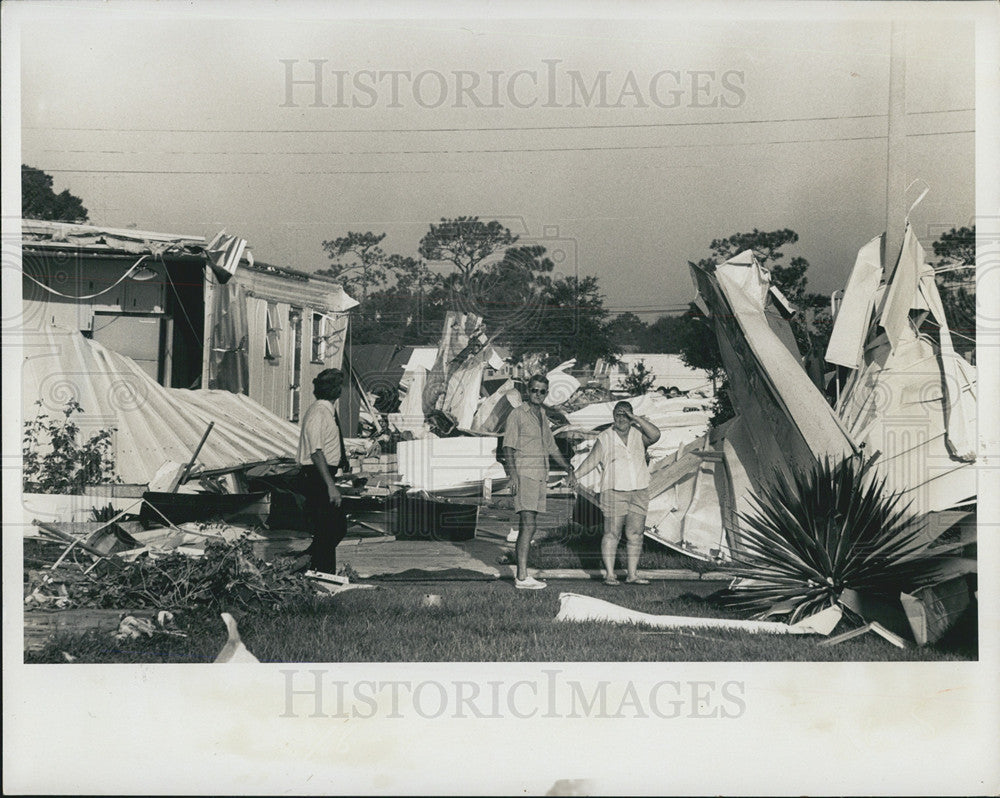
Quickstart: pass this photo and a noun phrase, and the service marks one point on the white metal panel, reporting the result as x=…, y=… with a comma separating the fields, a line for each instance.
x=152, y=424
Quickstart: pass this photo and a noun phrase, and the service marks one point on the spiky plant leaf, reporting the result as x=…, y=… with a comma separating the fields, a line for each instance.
x=831, y=528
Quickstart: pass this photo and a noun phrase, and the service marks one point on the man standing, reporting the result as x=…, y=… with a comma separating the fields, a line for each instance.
x=527, y=445
x=321, y=453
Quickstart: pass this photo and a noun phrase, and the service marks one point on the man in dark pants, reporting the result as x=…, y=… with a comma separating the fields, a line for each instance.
x=321, y=454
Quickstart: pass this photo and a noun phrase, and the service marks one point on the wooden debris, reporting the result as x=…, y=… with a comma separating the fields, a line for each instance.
x=55, y=531
x=183, y=475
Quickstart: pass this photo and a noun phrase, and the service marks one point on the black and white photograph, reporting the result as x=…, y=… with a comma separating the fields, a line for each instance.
x=519, y=399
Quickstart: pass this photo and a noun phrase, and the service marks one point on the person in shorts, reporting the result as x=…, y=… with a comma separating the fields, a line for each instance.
x=620, y=451
x=527, y=446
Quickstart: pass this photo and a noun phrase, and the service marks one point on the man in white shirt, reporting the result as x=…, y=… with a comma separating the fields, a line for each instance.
x=321, y=454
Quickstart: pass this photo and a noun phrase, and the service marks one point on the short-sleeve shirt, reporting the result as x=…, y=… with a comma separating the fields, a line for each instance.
x=319, y=431
x=532, y=441
x=624, y=461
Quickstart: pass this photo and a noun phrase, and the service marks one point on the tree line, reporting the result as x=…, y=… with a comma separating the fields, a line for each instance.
x=526, y=305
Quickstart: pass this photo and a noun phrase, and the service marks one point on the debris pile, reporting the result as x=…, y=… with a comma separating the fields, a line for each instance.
x=868, y=505
x=133, y=628
x=222, y=574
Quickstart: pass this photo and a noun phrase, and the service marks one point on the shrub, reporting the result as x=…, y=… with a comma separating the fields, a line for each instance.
x=639, y=379
x=832, y=528
x=55, y=461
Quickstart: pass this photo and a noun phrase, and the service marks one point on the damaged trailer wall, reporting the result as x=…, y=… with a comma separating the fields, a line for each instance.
x=783, y=422
x=271, y=331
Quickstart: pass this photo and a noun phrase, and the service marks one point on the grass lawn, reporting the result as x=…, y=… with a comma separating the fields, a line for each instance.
x=486, y=621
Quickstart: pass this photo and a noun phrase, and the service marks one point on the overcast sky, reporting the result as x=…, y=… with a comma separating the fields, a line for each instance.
x=707, y=126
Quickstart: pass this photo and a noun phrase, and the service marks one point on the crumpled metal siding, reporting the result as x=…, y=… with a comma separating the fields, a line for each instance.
x=152, y=424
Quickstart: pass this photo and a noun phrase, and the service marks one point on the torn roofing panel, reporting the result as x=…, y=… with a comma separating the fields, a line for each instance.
x=378, y=368
x=462, y=393
x=56, y=235
x=152, y=424
x=897, y=408
x=903, y=292
x=851, y=324
x=789, y=421
x=913, y=399
x=248, y=428
x=491, y=415
x=462, y=336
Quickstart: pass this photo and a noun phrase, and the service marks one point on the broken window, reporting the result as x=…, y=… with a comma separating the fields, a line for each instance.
x=319, y=334
x=295, y=322
x=272, y=336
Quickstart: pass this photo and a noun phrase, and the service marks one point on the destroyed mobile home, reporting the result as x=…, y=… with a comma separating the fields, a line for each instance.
x=864, y=510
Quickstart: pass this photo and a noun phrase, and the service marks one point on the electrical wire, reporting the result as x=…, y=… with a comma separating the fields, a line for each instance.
x=86, y=296
x=302, y=153
x=199, y=336
x=486, y=129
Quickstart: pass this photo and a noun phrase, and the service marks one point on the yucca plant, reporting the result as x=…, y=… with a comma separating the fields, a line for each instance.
x=829, y=529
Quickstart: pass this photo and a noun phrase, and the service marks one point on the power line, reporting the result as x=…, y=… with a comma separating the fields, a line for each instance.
x=504, y=151
x=487, y=129
x=940, y=133
x=488, y=151
x=272, y=153
x=480, y=151
x=258, y=172
x=497, y=151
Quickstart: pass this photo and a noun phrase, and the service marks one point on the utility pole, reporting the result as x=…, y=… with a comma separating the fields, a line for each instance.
x=895, y=179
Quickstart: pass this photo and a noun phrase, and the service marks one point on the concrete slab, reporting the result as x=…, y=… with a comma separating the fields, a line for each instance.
x=377, y=555
x=405, y=555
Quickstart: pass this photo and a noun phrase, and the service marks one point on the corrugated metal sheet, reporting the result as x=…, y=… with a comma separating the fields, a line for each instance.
x=152, y=424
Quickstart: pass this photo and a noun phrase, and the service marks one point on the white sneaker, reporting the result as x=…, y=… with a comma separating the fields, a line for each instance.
x=530, y=583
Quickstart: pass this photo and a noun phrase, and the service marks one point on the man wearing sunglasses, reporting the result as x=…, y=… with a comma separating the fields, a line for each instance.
x=527, y=446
